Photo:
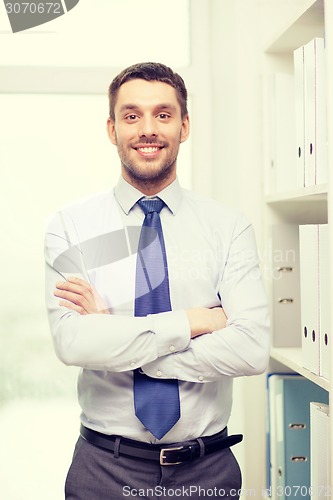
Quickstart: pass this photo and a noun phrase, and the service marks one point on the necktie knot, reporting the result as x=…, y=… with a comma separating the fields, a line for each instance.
x=151, y=205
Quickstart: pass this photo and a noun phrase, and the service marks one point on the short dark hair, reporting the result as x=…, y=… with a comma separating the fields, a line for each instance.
x=150, y=72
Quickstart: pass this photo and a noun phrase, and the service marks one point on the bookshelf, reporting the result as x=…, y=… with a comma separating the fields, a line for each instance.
x=306, y=194
x=299, y=29
x=307, y=205
x=298, y=206
x=291, y=357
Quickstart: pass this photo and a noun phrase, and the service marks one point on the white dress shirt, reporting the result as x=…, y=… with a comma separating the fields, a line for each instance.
x=212, y=260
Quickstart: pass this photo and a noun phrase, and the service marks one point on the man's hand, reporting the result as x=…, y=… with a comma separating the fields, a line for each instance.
x=204, y=320
x=78, y=295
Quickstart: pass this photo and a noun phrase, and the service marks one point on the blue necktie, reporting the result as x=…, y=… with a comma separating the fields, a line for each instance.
x=156, y=400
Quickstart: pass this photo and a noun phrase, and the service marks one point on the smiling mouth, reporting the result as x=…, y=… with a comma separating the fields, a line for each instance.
x=150, y=149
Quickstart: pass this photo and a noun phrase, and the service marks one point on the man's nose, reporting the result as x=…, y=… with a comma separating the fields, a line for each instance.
x=148, y=127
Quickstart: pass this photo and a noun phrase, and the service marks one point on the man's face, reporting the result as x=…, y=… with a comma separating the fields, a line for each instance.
x=147, y=131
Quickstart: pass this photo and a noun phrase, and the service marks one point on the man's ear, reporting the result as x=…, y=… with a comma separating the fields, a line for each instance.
x=185, y=131
x=111, y=130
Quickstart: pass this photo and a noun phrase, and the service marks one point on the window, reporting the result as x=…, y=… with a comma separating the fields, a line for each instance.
x=105, y=33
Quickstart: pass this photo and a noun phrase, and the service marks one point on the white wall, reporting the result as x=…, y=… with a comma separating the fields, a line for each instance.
x=237, y=163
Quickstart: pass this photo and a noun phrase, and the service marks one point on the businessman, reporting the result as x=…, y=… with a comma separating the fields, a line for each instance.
x=155, y=293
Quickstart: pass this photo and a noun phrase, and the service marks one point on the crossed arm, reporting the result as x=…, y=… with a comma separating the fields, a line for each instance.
x=194, y=344
x=78, y=295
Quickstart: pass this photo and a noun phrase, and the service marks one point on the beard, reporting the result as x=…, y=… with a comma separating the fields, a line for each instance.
x=150, y=174
x=148, y=171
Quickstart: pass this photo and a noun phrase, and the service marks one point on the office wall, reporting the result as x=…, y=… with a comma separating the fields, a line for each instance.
x=238, y=179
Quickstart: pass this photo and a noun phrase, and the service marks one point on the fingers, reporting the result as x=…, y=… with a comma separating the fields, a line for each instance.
x=73, y=307
x=79, y=282
x=75, y=285
x=76, y=294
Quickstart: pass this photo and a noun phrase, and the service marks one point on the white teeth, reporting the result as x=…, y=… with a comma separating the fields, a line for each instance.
x=148, y=150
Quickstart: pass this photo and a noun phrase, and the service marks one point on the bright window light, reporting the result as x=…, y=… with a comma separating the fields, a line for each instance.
x=104, y=33
x=54, y=149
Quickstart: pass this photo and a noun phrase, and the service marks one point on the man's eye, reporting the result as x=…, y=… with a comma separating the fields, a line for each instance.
x=131, y=117
x=163, y=116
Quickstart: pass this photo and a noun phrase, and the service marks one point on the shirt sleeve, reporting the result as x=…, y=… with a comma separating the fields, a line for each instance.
x=242, y=347
x=101, y=341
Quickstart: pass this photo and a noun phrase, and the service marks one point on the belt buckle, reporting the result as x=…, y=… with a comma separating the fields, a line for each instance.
x=163, y=457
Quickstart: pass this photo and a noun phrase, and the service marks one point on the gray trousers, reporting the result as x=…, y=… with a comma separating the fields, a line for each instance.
x=96, y=474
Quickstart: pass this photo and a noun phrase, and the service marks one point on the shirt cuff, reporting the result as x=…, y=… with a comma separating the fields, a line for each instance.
x=172, y=330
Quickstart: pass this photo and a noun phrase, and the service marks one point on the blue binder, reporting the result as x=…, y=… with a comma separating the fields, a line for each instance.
x=291, y=420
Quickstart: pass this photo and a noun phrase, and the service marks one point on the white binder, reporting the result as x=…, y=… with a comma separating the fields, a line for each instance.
x=320, y=113
x=324, y=303
x=309, y=283
x=315, y=113
x=299, y=152
x=282, y=140
x=320, y=456
x=310, y=115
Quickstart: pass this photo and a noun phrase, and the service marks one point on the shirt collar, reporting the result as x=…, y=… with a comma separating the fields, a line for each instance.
x=127, y=195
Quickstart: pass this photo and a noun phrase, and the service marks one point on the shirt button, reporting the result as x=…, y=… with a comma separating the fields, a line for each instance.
x=132, y=364
x=159, y=373
x=200, y=378
x=172, y=348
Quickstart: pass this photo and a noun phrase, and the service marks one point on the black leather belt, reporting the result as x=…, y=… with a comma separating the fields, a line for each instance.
x=168, y=455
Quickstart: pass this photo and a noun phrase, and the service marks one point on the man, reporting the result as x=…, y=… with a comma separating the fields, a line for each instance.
x=157, y=350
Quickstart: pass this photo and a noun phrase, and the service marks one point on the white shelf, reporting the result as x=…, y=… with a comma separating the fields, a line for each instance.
x=291, y=357
x=301, y=29
x=302, y=206
x=307, y=194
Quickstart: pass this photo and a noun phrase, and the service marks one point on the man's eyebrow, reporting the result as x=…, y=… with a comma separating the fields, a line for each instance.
x=158, y=107
x=128, y=107
x=172, y=107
